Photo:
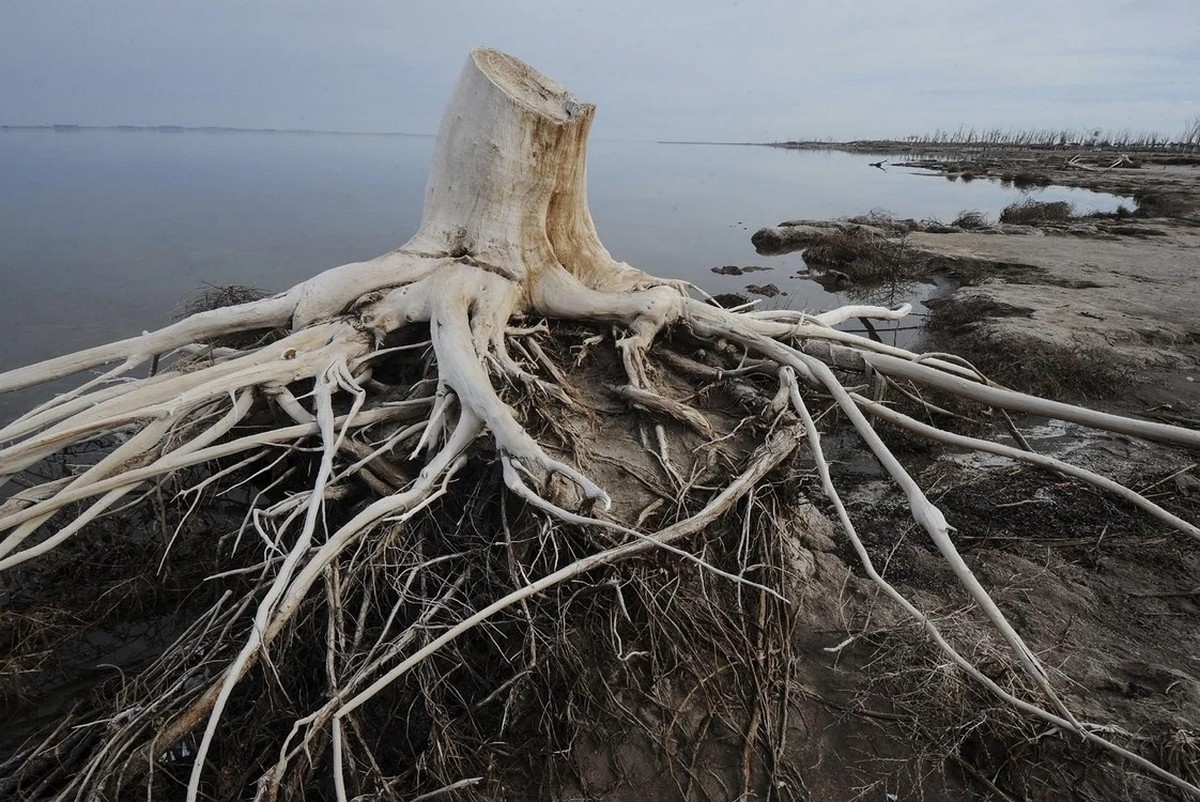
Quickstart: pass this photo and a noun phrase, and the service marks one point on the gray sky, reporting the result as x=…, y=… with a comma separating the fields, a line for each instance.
x=681, y=69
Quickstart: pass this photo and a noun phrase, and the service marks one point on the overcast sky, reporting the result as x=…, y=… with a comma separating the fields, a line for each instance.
x=683, y=69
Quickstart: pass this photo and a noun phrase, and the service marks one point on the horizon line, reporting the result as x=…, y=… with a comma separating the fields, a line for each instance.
x=172, y=128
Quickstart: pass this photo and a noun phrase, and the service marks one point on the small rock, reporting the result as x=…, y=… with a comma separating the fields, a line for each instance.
x=765, y=290
x=734, y=270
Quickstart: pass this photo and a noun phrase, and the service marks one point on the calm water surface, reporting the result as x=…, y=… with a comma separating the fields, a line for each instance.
x=102, y=232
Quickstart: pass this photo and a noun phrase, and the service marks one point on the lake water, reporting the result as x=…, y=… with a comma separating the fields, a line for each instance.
x=102, y=232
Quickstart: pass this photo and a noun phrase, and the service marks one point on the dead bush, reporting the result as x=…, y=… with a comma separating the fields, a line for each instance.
x=1160, y=203
x=1031, y=212
x=971, y=219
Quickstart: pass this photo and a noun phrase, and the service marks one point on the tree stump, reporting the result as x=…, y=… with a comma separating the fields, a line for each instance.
x=385, y=410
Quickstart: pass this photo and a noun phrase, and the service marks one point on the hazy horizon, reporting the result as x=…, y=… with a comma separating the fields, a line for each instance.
x=731, y=72
x=975, y=134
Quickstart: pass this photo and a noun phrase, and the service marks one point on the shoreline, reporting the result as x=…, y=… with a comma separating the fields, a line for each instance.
x=1175, y=170
x=1110, y=287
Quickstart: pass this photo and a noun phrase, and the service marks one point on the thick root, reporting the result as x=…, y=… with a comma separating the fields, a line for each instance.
x=468, y=312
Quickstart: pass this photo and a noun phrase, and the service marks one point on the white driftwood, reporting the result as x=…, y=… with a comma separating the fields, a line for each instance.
x=506, y=236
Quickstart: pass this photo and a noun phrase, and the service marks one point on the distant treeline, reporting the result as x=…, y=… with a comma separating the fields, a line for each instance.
x=1123, y=139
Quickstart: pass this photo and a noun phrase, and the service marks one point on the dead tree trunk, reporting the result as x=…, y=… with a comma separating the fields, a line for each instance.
x=505, y=243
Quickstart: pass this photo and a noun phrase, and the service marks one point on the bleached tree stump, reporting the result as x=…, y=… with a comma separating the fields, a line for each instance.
x=506, y=242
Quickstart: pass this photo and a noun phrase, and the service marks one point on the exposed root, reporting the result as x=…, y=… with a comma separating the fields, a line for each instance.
x=415, y=467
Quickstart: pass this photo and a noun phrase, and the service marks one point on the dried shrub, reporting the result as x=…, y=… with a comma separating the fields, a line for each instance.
x=1027, y=180
x=951, y=722
x=867, y=267
x=971, y=219
x=1160, y=203
x=216, y=296
x=956, y=316
x=844, y=248
x=1032, y=212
